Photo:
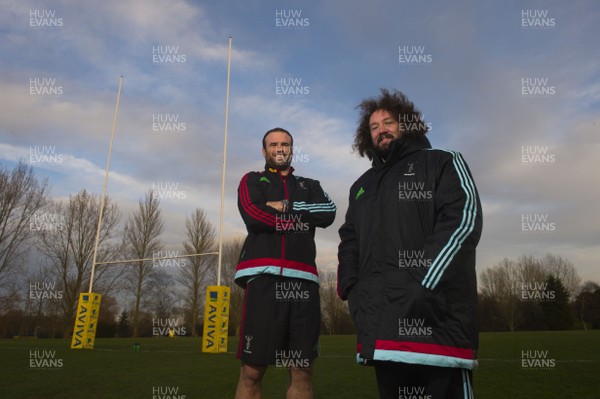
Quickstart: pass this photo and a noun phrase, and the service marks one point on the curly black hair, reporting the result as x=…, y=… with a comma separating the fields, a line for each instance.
x=400, y=107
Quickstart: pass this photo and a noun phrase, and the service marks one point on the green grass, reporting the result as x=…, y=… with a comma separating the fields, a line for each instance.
x=576, y=373
x=114, y=370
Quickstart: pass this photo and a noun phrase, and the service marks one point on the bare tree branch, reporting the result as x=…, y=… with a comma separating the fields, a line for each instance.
x=21, y=197
x=142, y=232
x=200, y=238
x=67, y=240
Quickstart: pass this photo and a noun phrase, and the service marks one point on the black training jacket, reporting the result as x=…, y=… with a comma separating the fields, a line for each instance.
x=407, y=257
x=281, y=243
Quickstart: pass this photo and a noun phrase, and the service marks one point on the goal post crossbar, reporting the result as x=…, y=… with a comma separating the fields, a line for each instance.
x=160, y=258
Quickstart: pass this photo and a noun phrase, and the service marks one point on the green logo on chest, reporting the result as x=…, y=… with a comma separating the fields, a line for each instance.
x=359, y=193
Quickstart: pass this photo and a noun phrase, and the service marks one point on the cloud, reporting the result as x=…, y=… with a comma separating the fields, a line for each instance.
x=471, y=93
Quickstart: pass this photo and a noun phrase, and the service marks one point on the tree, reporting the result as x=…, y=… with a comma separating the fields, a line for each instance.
x=489, y=315
x=334, y=312
x=565, y=271
x=160, y=298
x=514, y=289
x=107, y=318
x=9, y=323
x=557, y=312
x=68, y=240
x=529, y=270
x=21, y=197
x=499, y=283
x=530, y=276
x=39, y=303
x=142, y=232
x=200, y=238
x=123, y=326
x=230, y=257
x=587, y=305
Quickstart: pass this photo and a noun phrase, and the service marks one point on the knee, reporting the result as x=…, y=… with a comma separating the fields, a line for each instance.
x=252, y=375
x=301, y=377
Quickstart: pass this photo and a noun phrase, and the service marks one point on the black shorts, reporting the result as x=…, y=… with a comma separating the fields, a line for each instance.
x=281, y=320
x=402, y=380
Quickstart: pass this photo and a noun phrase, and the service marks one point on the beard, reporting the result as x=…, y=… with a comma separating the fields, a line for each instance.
x=383, y=151
x=282, y=164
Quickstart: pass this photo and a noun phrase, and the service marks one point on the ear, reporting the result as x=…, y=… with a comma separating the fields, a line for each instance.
x=264, y=153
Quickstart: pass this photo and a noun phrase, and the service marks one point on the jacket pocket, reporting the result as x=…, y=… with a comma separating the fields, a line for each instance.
x=354, y=303
x=428, y=306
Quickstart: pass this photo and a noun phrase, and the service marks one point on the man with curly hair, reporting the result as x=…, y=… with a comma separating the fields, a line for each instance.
x=407, y=256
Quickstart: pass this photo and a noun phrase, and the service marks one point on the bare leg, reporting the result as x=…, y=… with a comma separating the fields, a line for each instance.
x=300, y=383
x=249, y=385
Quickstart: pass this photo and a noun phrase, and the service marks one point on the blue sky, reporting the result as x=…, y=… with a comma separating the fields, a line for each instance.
x=481, y=56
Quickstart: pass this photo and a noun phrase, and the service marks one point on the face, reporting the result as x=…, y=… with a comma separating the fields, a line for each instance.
x=278, y=151
x=384, y=128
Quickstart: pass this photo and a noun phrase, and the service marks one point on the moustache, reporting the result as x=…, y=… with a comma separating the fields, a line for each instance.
x=383, y=136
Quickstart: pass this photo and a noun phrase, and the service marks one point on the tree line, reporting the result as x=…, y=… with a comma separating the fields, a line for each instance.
x=536, y=294
x=46, y=252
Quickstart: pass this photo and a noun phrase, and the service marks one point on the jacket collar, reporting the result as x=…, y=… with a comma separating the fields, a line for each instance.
x=274, y=171
x=399, y=149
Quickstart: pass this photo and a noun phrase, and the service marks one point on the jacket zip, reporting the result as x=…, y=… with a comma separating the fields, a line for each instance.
x=285, y=190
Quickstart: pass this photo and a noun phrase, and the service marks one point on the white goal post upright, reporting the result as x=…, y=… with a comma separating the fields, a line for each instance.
x=224, y=164
x=88, y=306
x=102, y=200
x=216, y=317
x=216, y=310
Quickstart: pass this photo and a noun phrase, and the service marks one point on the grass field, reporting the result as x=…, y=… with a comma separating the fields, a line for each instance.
x=564, y=364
